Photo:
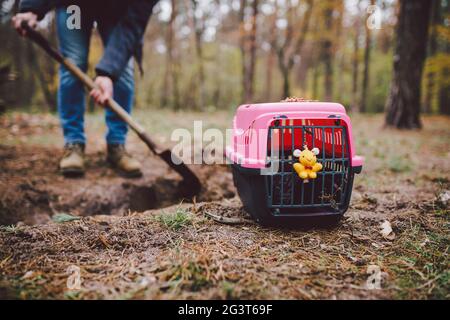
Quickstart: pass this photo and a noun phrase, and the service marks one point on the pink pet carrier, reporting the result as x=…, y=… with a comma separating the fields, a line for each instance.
x=263, y=151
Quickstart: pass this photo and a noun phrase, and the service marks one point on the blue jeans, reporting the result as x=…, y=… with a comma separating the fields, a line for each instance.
x=74, y=44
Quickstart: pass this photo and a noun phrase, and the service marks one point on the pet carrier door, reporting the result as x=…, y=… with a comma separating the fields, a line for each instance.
x=287, y=194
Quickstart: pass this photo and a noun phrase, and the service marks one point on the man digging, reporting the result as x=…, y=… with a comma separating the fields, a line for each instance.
x=121, y=25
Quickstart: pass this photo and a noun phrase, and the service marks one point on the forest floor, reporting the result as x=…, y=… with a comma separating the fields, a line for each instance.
x=135, y=239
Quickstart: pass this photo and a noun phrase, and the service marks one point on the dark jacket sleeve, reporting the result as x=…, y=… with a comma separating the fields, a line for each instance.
x=39, y=7
x=126, y=39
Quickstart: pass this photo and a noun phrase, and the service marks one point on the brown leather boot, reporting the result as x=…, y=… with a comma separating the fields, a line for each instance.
x=72, y=163
x=123, y=162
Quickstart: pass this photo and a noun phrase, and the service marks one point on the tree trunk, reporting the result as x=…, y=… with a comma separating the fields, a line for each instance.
x=165, y=92
x=172, y=67
x=198, y=27
x=270, y=59
x=432, y=48
x=24, y=85
x=175, y=61
x=248, y=50
x=355, y=69
x=327, y=55
x=269, y=75
x=242, y=47
x=444, y=94
x=403, y=104
x=285, y=54
x=286, y=82
x=252, y=63
x=366, y=73
x=5, y=70
x=49, y=96
x=315, y=88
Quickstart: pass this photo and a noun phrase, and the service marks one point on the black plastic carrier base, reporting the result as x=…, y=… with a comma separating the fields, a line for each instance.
x=281, y=198
x=252, y=189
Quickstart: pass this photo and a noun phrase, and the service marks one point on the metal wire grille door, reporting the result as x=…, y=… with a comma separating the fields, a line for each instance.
x=286, y=192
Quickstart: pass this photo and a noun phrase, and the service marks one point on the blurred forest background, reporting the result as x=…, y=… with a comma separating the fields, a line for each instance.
x=202, y=58
x=205, y=55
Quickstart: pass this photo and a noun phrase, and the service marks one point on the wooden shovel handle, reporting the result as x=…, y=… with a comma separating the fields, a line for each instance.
x=89, y=83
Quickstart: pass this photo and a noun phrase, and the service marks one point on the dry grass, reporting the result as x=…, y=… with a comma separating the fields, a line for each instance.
x=179, y=252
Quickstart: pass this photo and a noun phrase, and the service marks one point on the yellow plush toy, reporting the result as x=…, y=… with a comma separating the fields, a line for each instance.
x=307, y=165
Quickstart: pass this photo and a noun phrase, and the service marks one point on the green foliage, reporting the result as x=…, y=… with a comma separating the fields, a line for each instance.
x=437, y=67
x=380, y=77
x=428, y=266
x=10, y=229
x=64, y=217
x=72, y=295
x=399, y=164
x=228, y=289
x=175, y=221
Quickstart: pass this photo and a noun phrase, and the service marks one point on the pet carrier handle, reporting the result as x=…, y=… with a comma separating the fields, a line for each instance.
x=89, y=83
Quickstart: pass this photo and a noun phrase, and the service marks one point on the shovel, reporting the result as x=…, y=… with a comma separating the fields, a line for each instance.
x=191, y=184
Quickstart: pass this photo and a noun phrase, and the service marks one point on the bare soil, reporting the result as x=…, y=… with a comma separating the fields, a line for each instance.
x=33, y=190
x=141, y=238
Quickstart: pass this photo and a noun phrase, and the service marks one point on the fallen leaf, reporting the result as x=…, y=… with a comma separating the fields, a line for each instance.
x=146, y=281
x=386, y=230
x=64, y=217
x=103, y=240
x=375, y=277
x=444, y=198
x=28, y=275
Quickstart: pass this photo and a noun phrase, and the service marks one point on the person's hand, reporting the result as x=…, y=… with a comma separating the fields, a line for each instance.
x=104, y=90
x=29, y=17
